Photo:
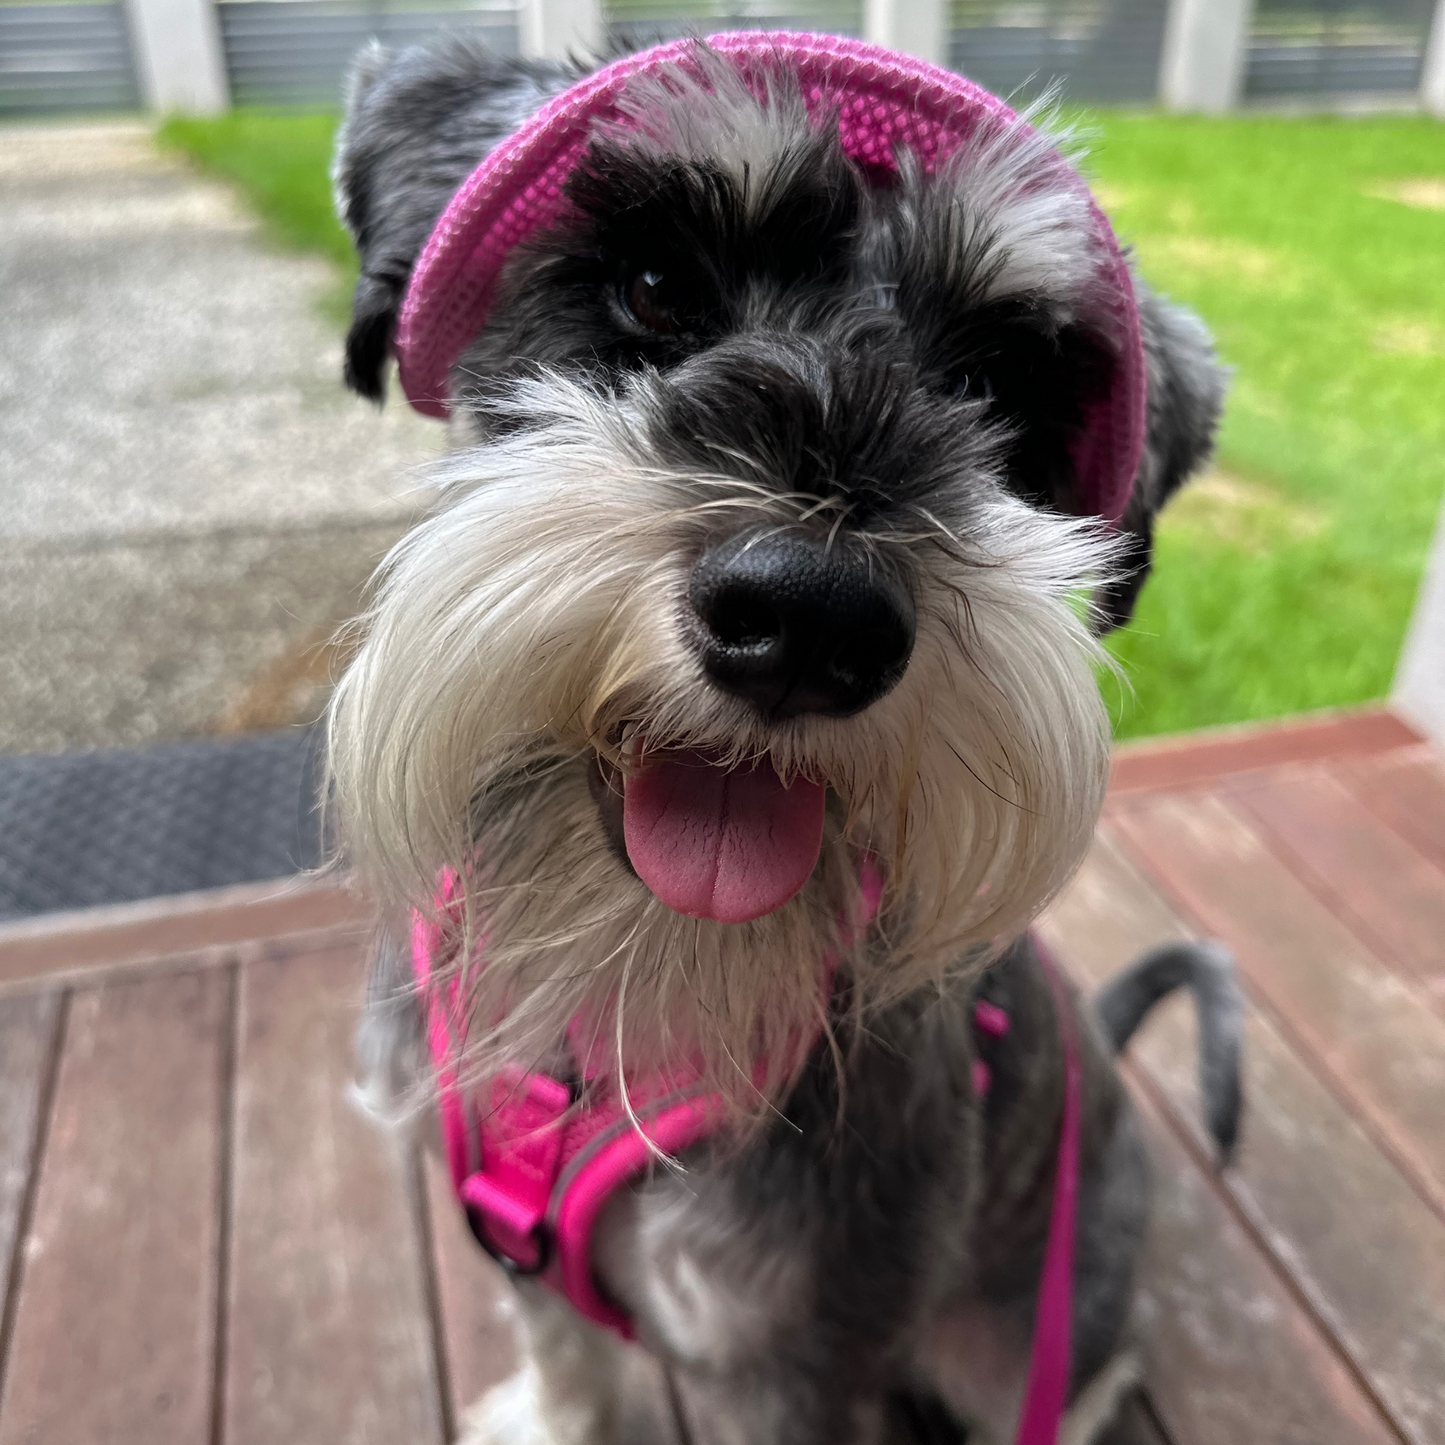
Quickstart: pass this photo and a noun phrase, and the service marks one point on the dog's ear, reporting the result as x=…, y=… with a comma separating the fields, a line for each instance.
x=1186, y=395
x=417, y=123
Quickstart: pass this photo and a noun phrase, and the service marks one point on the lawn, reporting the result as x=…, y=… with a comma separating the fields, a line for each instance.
x=1315, y=248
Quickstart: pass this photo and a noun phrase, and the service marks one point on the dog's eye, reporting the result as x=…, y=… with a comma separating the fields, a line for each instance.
x=645, y=294
x=973, y=386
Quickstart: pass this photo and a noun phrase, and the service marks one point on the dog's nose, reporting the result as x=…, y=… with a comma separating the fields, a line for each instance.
x=796, y=626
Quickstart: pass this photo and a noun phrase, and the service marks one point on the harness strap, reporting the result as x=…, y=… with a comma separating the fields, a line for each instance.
x=533, y=1173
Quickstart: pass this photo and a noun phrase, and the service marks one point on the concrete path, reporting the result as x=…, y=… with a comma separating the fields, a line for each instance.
x=189, y=502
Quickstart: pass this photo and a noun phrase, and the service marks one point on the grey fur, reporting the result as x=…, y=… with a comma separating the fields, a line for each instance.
x=416, y=125
x=865, y=1267
x=1208, y=971
x=1187, y=386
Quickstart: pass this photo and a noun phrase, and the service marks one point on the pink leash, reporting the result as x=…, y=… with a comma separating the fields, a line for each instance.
x=1051, y=1357
x=532, y=1172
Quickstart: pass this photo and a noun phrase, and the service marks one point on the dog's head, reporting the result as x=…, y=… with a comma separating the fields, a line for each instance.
x=767, y=544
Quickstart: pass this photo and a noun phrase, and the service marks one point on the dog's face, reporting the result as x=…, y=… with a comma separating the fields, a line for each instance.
x=760, y=553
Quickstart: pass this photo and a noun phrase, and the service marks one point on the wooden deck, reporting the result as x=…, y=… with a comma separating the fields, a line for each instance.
x=202, y=1241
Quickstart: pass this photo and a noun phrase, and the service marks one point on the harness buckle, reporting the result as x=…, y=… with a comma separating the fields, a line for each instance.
x=539, y=1237
x=506, y=1198
x=492, y=1210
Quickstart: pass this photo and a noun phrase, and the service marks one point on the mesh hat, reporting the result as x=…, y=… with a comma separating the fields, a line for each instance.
x=883, y=101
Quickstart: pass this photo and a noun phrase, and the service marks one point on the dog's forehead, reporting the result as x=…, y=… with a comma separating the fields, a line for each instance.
x=884, y=103
x=718, y=178
x=710, y=112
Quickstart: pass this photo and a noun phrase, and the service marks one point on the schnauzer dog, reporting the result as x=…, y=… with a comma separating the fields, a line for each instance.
x=773, y=553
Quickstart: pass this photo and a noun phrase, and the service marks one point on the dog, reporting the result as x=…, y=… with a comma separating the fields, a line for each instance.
x=771, y=557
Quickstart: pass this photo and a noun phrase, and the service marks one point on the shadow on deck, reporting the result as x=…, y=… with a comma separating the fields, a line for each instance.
x=201, y=1240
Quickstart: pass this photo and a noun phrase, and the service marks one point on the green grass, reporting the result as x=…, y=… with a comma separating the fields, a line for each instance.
x=1287, y=585
x=282, y=163
x=1284, y=581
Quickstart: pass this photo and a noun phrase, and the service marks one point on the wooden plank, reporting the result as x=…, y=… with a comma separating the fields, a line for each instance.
x=1202, y=758
x=1388, y=894
x=1231, y=1355
x=114, y=1325
x=134, y=933
x=1408, y=793
x=329, y=1336
x=474, y=1300
x=27, y=1045
x=1372, y=1034
x=1360, y=1245
x=226, y=955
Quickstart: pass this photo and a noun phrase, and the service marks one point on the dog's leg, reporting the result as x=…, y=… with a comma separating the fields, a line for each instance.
x=510, y=1413
x=976, y=1357
x=990, y=1403
x=1097, y=1404
x=567, y=1390
x=792, y=1404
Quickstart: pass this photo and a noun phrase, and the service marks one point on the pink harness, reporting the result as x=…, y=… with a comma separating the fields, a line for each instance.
x=533, y=1172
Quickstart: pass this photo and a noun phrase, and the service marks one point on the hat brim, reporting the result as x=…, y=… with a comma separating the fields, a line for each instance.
x=884, y=102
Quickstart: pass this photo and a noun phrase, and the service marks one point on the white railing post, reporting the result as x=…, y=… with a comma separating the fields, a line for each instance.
x=1206, y=43
x=1432, y=75
x=1419, y=691
x=555, y=29
x=916, y=27
x=178, y=56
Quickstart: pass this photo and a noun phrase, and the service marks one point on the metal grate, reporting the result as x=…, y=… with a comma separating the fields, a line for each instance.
x=297, y=52
x=1097, y=50
x=1334, y=47
x=65, y=58
x=643, y=22
x=81, y=829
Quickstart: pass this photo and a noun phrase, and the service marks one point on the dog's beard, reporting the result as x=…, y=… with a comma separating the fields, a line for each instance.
x=533, y=626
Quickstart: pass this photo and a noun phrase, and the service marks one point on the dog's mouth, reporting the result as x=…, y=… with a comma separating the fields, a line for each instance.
x=732, y=844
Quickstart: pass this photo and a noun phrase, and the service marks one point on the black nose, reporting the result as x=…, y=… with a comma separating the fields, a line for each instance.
x=799, y=627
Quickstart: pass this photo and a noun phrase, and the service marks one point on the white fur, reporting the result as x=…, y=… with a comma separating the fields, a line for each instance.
x=1015, y=213
x=1097, y=1404
x=535, y=620
x=509, y=1413
x=703, y=1300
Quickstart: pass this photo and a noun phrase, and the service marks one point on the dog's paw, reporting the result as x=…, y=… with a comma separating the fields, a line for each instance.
x=509, y=1413
x=513, y=1413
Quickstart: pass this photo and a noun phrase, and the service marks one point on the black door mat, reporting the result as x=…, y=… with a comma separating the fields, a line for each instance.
x=82, y=829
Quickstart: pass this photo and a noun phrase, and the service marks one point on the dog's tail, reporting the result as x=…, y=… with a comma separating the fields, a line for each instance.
x=1207, y=969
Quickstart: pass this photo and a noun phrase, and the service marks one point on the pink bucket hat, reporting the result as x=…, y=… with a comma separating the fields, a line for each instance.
x=883, y=101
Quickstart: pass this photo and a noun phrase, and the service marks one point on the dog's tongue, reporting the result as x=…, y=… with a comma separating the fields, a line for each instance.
x=727, y=844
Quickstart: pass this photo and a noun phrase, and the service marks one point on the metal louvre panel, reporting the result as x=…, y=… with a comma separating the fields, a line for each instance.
x=1336, y=47
x=1098, y=50
x=643, y=22
x=65, y=58
x=297, y=52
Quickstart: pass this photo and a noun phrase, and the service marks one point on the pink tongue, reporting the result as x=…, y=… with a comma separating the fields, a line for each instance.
x=727, y=845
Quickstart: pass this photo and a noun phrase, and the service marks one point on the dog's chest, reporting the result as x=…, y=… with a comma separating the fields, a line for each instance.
x=827, y=1223
x=702, y=1278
